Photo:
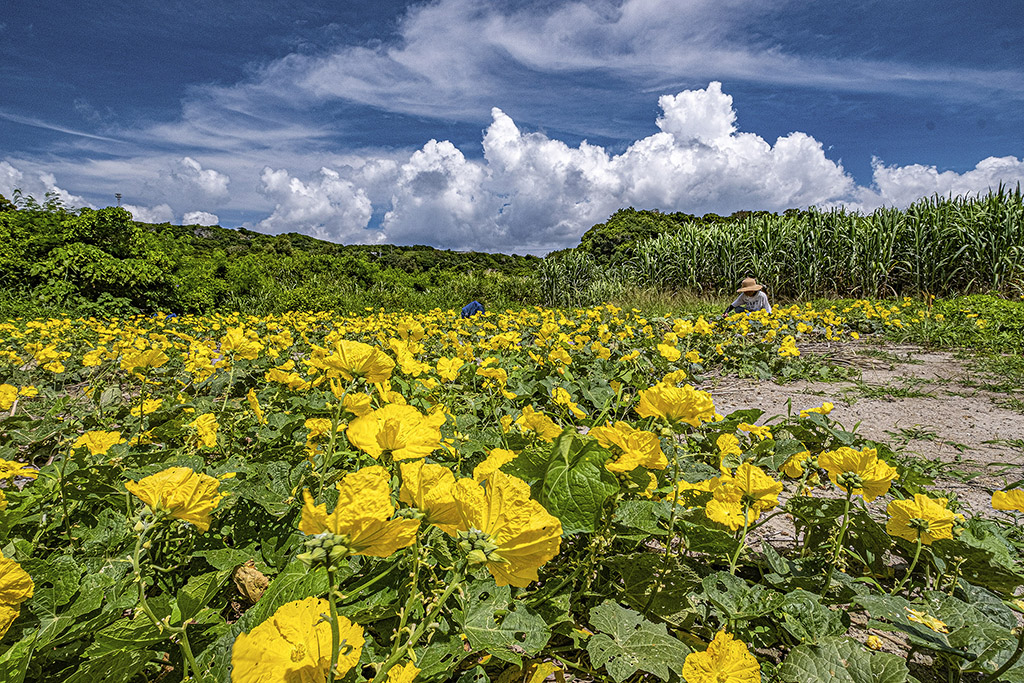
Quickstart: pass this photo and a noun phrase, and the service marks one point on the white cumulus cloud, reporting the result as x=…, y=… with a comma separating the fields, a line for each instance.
x=161, y=213
x=36, y=185
x=200, y=218
x=325, y=206
x=208, y=183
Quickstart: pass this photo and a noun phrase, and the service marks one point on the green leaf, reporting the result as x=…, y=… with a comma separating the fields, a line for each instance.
x=808, y=620
x=737, y=599
x=576, y=484
x=14, y=662
x=841, y=660
x=627, y=643
x=113, y=667
x=657, y=585
x=506, y=629
x=198, y=591
x=643, y=515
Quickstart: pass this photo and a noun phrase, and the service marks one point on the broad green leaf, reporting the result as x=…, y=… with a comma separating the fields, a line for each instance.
x=198, y=591
x=657, y=585
x=737, y=599
x=14, y=661
x=807, y=619
x=576, y=484
x=643, y=515
x=112, y=667
x=625, y=643
x=493, y=622
x=841, y=660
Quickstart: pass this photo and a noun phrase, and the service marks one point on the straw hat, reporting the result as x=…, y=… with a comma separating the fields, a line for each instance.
x=749, y=284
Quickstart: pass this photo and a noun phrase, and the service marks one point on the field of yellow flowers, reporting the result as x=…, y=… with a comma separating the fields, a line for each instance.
x=523, y=496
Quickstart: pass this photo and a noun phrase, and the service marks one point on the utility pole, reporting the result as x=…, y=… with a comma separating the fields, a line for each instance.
x=118, y=195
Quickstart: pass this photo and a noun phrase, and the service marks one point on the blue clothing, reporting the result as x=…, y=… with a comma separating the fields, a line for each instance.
x=472, y=308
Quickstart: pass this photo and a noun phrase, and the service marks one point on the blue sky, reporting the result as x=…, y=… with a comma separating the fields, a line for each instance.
x=512, y=125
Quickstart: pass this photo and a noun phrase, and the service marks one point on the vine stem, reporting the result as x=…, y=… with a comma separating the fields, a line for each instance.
x=743, y=539
x=421, y=628
x=910, y=569
x=1008, y=664
x=335, y=631
x=161, y=625
x=839, y=540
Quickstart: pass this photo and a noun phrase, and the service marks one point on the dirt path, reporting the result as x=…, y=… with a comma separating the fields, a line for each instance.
x=924, y=403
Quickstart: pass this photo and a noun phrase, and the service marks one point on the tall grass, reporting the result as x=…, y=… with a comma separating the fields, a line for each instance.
x=944, y=246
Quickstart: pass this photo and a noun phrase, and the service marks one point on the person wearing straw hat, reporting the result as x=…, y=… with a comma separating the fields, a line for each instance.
x=751, y=298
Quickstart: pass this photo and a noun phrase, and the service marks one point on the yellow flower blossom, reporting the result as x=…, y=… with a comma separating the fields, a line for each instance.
x=206, y=426
x=448, y=368
x=16, y=587
x=824, y=409
x=8, y=395
x=762, y=432
x=294, y=646
x=428, y=488
x=495, y=459
x=693, y=357
x=632, y=447
x=362, y=515
x=240, y=345
x=254, y=403
x=795, y=466
x=563, y=398
x=859, y=472
x=669, y=353
x=726, y=660
x=406, y=673
x=923, y=517
x=1009, y=500
x=682, y=404
x=98, y=442
x=921, y=617
x=504, y=529
x=874, y=642
x=728, y=444
x=181, y=493
x=738, y=500
x=358, y=404
x=538, y=423
x=401, y=430
x=9, y=469
x=353, y=359
x=149, y=358
x=148, y=407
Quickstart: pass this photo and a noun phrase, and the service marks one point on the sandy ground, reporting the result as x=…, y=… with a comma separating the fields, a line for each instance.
x=958, y=426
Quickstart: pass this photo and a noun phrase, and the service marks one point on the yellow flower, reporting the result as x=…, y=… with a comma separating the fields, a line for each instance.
x=726, y=660
x=428, y=488
x=859, y=472
x=561, y=397
x=401, y=430
x=150, y=358
x=8, y=395
x=9, y=469
x=180, y=492
x=16, y=587
x=353, y=359
x=633, y=447
x=738, y=500
x=795, y=466
x=1009, y=500
x=238, y=344
x=923, y=517
x=669, y=353
x=825, y=409
x=673, y=378
x=693, y=357
x=98, y=442
x=448, y=368
x=728, y=444
x=254, y=403
x=761, y=432
x=316, y=427
x=294, y=646
x=358, y=404
x=406, y=673
x=688, y=495
x=788, y=347
x=362, y=515
x=292, y=380
x=495, y=459
x=874, y=642
x=540, y=424
x=931, y=622
x=148, y=407
x=504, y=529
x=206, y=425
x=683, y=404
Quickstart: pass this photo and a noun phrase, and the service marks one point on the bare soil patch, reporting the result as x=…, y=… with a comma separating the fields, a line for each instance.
x=924, y=403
